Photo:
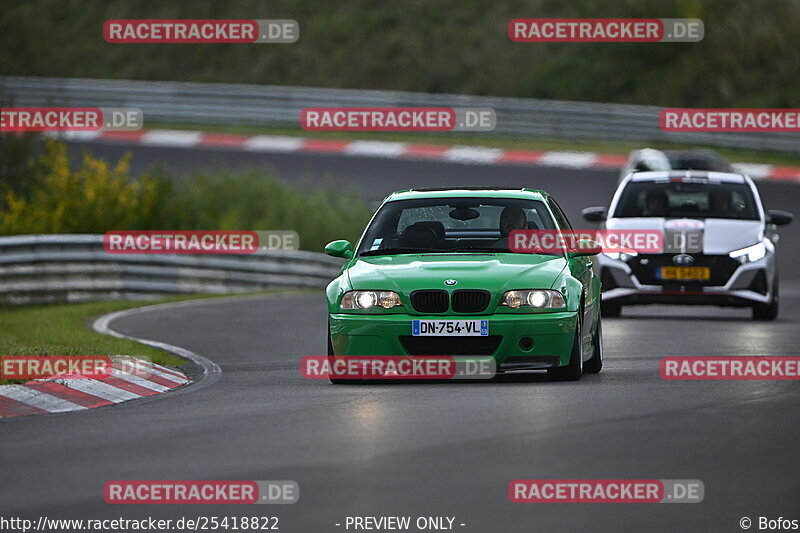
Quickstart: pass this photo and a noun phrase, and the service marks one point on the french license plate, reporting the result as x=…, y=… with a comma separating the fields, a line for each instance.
x=686, y=273
x=450, y=328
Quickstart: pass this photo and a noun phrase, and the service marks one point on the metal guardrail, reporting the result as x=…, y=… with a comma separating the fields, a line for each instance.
x=270, y=105
x=72, y=268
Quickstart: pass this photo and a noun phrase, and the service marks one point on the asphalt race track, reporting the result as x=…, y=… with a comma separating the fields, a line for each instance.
x=432, y=449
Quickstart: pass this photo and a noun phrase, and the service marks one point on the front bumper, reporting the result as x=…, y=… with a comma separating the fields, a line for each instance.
x=743, y=286
x=686, y=297
x=552, y=335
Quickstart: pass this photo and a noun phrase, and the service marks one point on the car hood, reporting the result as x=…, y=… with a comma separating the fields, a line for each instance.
x=492, y=272
x=719, y=236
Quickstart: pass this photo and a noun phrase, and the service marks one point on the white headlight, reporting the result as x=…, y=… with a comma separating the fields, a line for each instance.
x=620, y=256
x=537, y=299
x=750, y=254
x=363, y=300
x=366, y=299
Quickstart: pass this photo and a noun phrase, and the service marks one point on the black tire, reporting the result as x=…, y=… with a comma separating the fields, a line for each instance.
x=574, y=370
x=768, y=311
x=331, y=358
x=595, y=364
x=610, y=309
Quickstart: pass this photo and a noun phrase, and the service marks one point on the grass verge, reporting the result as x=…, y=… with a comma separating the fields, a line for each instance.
x=64, y=329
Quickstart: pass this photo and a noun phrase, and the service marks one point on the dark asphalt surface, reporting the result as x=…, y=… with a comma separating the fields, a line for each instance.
x=433, y=449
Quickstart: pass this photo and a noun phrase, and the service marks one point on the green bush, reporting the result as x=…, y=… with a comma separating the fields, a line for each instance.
x=98, y=197
x=16, y=154
x=94, y=198
x=255, y=200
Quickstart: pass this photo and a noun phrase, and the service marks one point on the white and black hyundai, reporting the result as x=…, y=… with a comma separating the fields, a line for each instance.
x=719, y=243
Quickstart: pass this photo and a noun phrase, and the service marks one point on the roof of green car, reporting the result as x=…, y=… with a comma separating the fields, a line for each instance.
x=468, y=192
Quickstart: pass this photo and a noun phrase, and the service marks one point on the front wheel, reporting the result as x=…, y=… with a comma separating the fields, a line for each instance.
x=595, y=364
x=574, y=370
x=768, y=311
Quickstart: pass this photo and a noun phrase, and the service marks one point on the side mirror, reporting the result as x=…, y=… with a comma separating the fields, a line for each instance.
x=586, y=249
x=339, y=249
x=594, y=214
x=778, y=217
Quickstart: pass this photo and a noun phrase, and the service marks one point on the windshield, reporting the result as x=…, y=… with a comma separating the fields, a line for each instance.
x=677, y=199
x=451, y=225
x=680, y=161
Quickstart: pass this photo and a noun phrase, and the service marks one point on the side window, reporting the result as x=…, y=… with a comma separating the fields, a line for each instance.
x=561, y=218
x=536, y=220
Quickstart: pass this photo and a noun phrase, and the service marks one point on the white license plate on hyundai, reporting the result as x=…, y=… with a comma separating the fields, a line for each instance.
x=450, y=328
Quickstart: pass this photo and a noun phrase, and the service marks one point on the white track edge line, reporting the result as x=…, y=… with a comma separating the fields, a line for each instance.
x=211, y=371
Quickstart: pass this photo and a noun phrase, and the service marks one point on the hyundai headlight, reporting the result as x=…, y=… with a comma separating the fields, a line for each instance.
x=617, y=256
x=363, y=300
x=750, y=254
x=535, y=298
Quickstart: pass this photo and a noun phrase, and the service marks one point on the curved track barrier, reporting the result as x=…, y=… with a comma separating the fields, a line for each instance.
x=74, y=268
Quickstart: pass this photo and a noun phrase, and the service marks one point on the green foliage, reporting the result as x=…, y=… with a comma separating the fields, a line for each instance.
x=98, y=197
x=254, y=200
x=16, y=152
x=750, y=56
x=92, y=199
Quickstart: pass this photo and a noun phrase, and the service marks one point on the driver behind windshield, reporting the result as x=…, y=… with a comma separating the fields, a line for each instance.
x=655, y=204
x=720, y=203
x=512, y=218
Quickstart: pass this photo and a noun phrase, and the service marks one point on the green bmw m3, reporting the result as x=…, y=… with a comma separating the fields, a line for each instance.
x=434, y=275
